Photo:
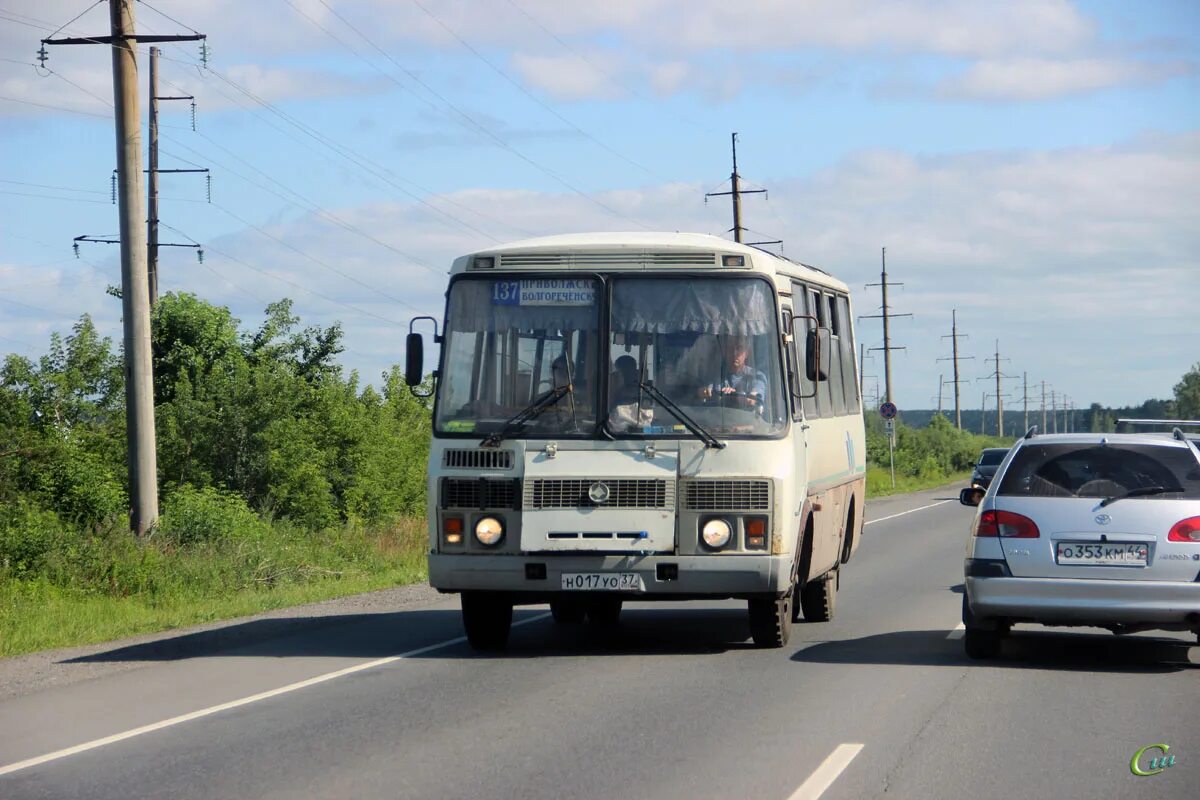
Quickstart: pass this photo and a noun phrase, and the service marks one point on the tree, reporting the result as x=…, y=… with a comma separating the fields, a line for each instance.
x=1187, y=394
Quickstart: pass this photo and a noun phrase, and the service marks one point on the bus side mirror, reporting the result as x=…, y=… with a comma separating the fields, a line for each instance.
x=414, y=360
x=816, y=355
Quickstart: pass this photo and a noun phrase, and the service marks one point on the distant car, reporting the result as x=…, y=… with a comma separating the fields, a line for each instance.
x=1099, y=530
x=985, y=468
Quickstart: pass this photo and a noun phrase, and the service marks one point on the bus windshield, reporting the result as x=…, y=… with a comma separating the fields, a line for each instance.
x=711, y=345
x=510, y=342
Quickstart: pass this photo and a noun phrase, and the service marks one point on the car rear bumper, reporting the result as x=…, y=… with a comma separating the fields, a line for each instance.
x=1086, y=602
x=695, y=576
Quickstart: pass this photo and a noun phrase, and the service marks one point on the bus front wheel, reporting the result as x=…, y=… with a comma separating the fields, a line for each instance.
x=771, y=620
x=487, y=618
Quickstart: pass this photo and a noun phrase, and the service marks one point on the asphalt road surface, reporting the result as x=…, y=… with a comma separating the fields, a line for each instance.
x=675, y=704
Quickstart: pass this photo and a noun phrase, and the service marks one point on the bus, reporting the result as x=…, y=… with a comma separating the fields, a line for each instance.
x=641, y=416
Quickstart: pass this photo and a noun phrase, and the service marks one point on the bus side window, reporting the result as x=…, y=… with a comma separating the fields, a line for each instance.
x=802, y=298
x=849, y=364
x=836, y=387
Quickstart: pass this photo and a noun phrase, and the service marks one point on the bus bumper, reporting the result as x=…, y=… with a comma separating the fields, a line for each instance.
x=664, y=577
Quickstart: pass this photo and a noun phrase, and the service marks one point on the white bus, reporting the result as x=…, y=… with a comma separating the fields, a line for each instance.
x=642, y=416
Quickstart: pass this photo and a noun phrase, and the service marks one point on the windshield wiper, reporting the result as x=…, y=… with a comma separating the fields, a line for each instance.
x=691, y=424
x=1143, y=491
x=526, y=415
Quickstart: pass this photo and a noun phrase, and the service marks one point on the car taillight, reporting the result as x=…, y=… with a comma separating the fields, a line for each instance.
x=1006, y=524
x=1186, y=530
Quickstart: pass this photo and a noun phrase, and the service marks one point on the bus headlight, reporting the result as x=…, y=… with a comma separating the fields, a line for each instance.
x=716, y=533
x=489, y=531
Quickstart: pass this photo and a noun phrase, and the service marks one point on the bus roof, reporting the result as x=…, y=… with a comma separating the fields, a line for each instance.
x=638, y=250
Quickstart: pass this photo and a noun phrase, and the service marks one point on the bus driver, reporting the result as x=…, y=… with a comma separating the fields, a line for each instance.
x=742, y=385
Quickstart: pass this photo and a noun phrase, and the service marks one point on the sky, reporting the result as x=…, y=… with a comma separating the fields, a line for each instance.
x=1032, y=164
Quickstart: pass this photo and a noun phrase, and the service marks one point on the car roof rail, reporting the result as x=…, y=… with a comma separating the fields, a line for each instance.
x=1032, y=432
x=1177, y=432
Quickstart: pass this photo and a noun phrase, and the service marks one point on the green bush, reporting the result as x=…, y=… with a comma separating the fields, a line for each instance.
x=27, y=534
x=191, y=516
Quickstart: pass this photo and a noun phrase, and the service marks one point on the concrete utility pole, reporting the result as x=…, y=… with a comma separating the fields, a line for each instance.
x=135, y=295
x=735, y=193
x=1044, y=429
x=941, y=383
x=1053, y=411
x=135, y=305
x=152, y=173
x=886, y=316
x=954, y=337
x=983, y=414
x=1025, y=396
x=998, y=375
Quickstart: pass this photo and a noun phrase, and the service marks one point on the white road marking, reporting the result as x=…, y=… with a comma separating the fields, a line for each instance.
x=254, y=698
x=824, y=776
x=958, y=632
x=902, y=513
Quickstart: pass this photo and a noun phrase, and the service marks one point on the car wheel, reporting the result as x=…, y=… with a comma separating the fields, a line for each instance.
x=487, y=618
x=818, y=598
x=604, y=613
x=567, y=612
x=771, y=620
x=981, y=644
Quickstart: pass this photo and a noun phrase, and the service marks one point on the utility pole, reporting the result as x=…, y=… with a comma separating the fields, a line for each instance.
x=886, y=316
x=135, y=295
x=954, y=337
x=941, y=383
x=1053, y=411
x=152, y=174
x=998, y=375
x=983, y=414
x=736, y=192
x=135, y=305
x=1025, y=396
x=1044, y=429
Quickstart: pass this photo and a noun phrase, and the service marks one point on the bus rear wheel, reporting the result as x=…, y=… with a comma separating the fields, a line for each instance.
x=487, y=618
x=604, y=613
x=818, y=598
x=771, y=620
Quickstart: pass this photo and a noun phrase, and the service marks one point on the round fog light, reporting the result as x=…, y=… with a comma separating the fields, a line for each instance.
x=716, y=533
x=489, y=531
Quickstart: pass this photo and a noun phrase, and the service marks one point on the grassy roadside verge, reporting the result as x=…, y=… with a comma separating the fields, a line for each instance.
x=879, y=482
x=108, y=586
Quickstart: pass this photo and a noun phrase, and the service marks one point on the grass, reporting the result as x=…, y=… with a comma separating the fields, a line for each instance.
x=879, y=482
x=113, y=587
x=99, y=587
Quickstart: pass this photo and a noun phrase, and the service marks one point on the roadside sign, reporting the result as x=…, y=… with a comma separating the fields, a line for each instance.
x=888, y=410
x=890, y=427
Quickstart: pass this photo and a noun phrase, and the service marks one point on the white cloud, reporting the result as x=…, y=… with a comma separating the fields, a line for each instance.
x=1043, y=78
x=566, y=77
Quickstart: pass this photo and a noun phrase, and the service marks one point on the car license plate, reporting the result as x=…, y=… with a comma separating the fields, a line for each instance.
x=602, y=582
x=1104, y=554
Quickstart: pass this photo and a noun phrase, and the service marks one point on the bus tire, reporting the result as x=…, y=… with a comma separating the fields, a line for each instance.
x=771, y=620
x=605, y=613
x=487, y=619
x=818, y=598
x=567, y=611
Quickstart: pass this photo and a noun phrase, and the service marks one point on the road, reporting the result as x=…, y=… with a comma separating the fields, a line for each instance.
x=675, y=704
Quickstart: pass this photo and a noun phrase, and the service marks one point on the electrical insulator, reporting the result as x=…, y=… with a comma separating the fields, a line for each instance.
x=200, y=254
x=193, y=115
x=208, y=186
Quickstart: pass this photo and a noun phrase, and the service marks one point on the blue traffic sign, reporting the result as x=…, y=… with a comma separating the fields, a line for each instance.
x=888, y=410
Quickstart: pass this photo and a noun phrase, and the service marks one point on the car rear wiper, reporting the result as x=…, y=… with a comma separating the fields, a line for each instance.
x=1143, y=491
x=526, y=415
x=691, y=424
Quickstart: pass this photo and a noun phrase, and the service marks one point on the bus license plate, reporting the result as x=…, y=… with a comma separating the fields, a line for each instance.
x=602, y=582
x=1104, y=554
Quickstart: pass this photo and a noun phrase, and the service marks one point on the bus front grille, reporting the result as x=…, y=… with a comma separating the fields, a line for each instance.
x=479, y=493
x=727, y=495
x=622, y=493
x=477, y=459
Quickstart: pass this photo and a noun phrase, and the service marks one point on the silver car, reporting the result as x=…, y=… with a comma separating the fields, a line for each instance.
x=1094, y=529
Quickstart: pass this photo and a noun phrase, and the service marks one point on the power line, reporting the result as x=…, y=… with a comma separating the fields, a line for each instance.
x=469, y=121
x=528, y=93
x=55, y=108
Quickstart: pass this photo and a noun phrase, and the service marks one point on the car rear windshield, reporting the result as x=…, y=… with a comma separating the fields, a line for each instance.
x=1108, y=470
x=992, y=458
